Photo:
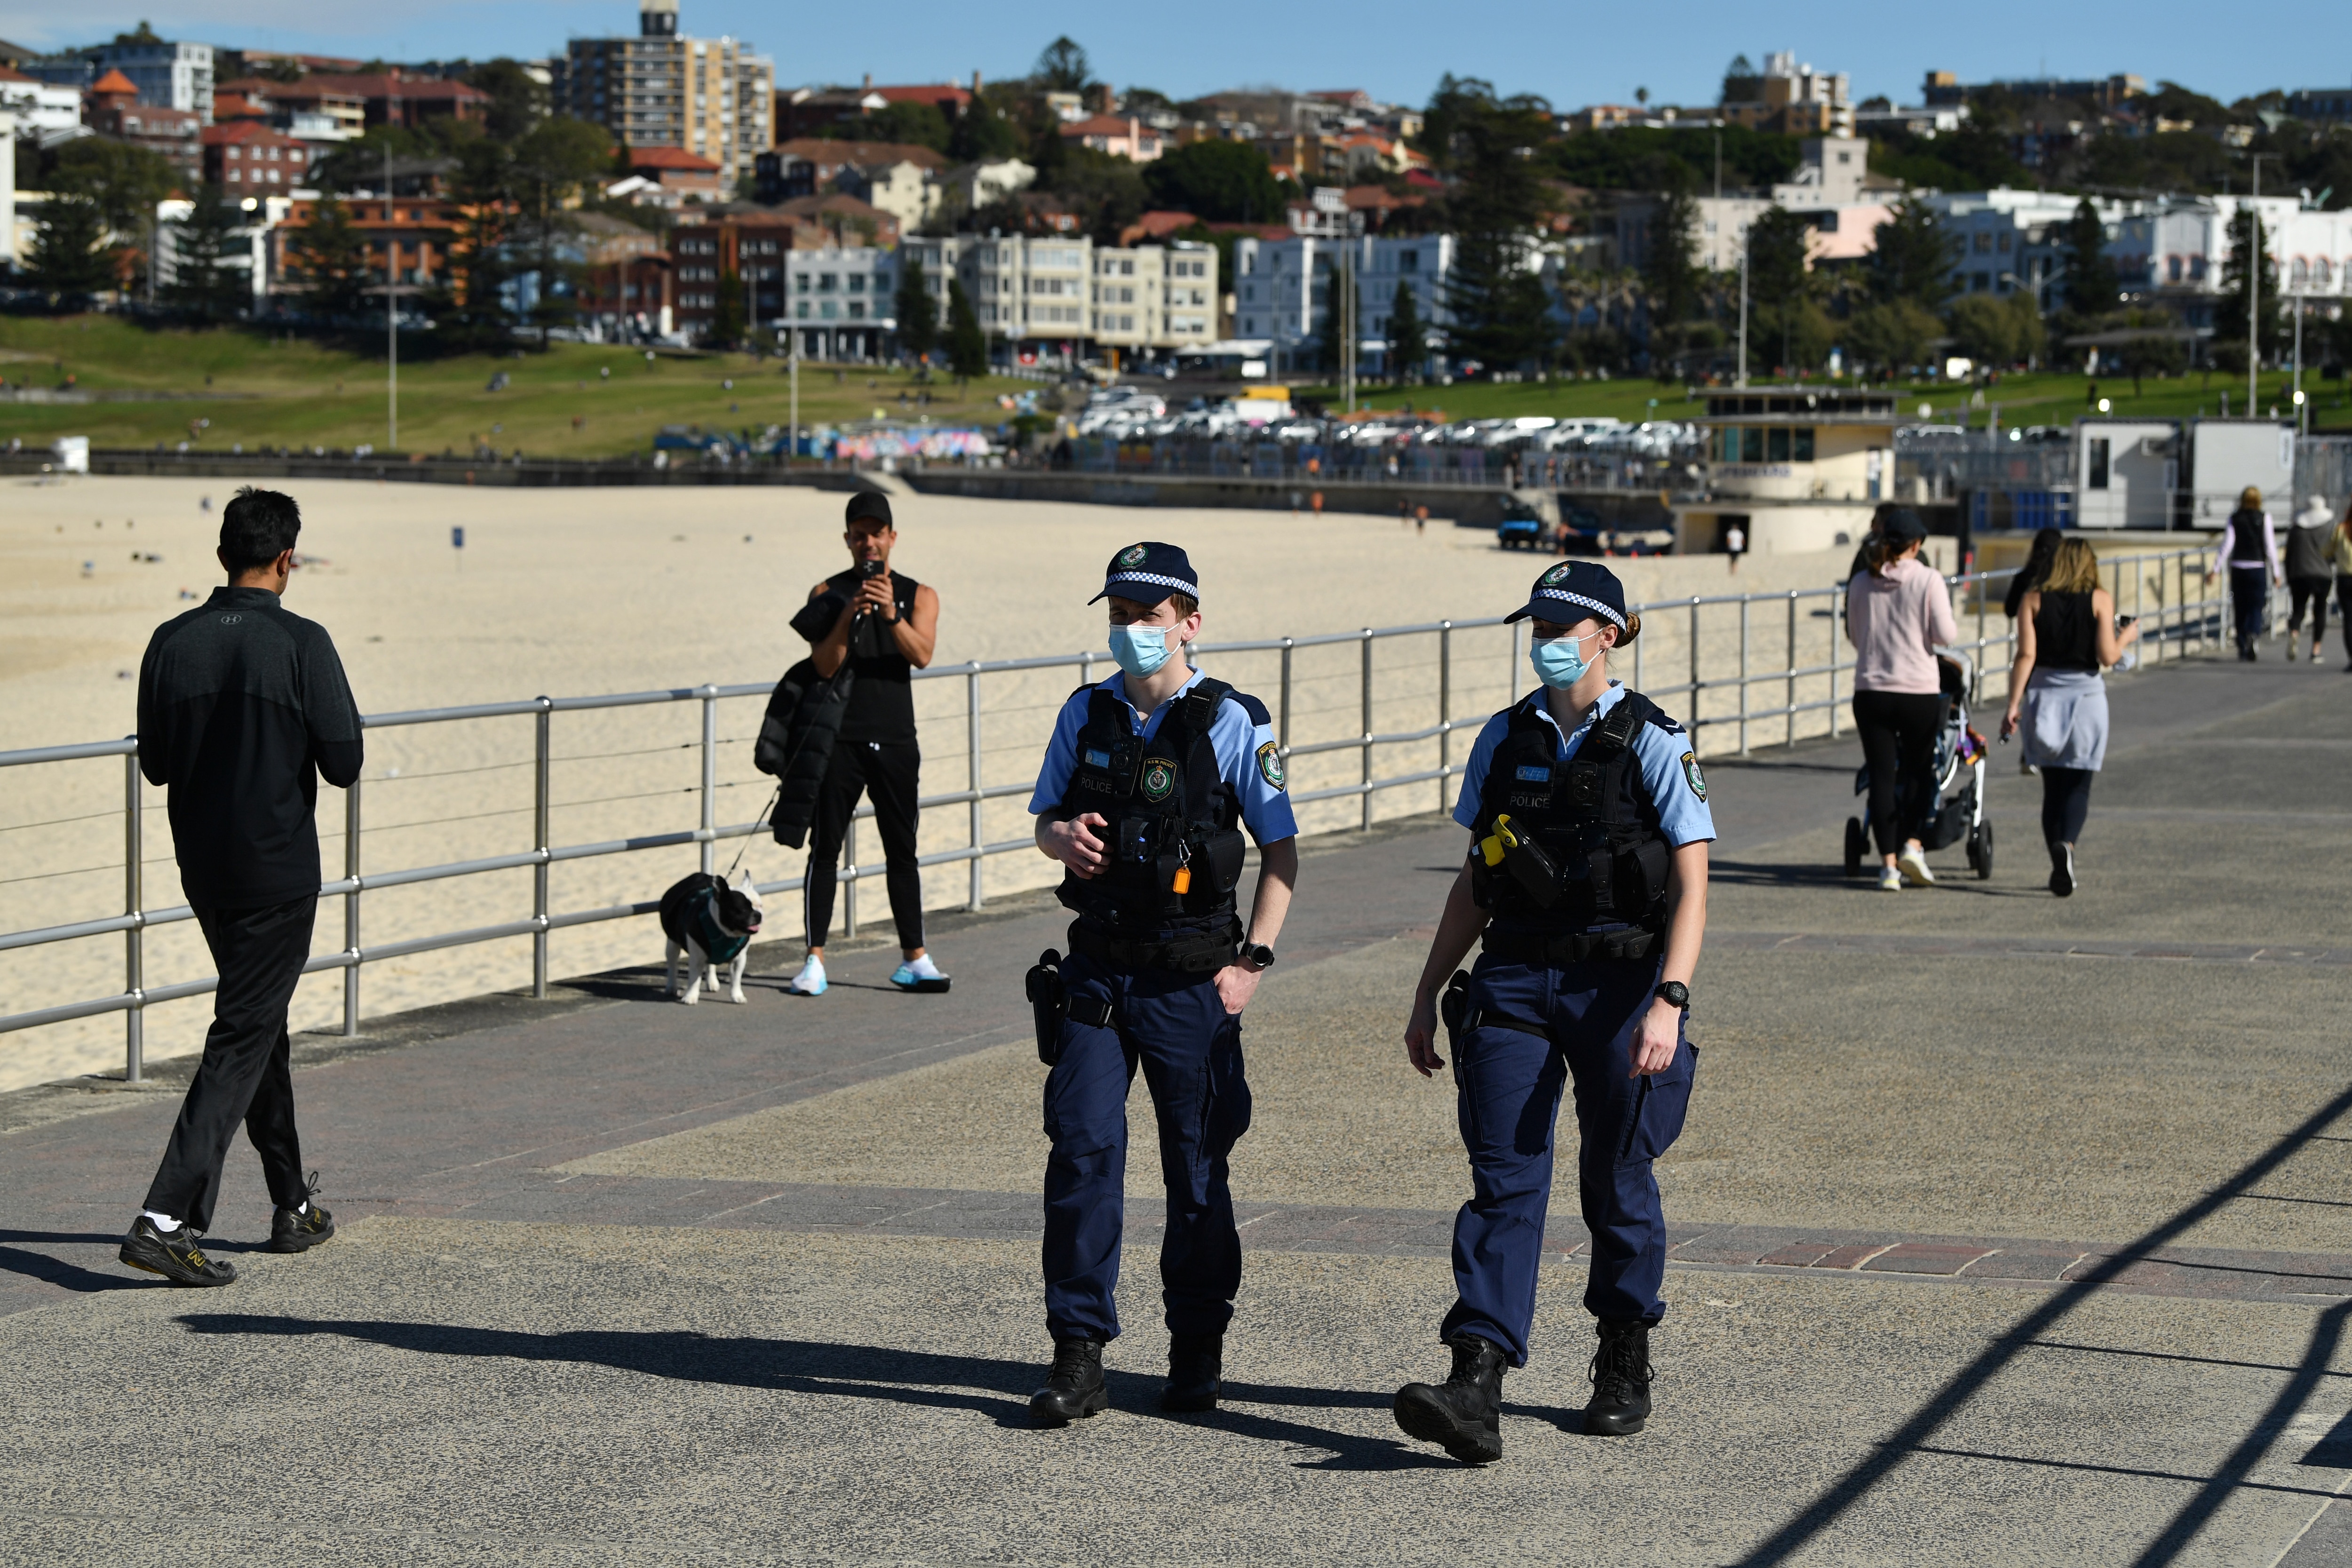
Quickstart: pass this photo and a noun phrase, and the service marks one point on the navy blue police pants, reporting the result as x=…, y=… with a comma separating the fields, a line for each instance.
x=1176, y=1028
x=1541, y=1029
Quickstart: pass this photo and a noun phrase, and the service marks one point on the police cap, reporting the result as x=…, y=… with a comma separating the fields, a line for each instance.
x=1572, y=590
x=1148, y=572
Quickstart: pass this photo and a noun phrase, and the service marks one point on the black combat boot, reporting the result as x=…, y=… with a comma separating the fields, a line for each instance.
x=1464, y=1414
x=1196, y=1372
x=1075, y=1387
x=1621, y=1381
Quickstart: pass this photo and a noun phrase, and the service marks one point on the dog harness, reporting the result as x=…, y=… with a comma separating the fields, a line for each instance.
x=719, y=944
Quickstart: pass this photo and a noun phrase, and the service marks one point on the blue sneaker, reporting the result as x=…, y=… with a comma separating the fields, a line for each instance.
x=921, y=974
x=810, y=980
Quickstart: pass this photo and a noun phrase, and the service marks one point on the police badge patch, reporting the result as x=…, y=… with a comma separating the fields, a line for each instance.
x=1159, y=779
x=1132, y=555
x=1269, y=764
x=1696, y=779
x=1556, y=573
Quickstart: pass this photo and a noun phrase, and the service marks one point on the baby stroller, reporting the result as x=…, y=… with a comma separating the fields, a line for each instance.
x=1959, y=780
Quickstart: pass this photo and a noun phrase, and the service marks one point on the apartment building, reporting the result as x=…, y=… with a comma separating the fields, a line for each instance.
x=113, y=107
x=711, y=97
x=1284, y=288
x=842, y=302
x=1787, y=99
x=1155, y=300
x=1025, y=290
x=40, y=109
x=249, y=158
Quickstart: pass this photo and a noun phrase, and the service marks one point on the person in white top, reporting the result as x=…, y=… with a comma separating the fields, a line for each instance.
x=2249, y=552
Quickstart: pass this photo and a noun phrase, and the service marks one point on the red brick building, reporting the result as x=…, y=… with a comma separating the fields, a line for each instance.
x=249, y=158
x=110, y=106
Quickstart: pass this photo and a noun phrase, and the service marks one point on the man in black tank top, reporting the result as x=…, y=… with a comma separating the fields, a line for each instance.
x=885, y=630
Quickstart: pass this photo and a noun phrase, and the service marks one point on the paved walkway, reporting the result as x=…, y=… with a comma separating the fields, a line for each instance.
x=2006, y=1229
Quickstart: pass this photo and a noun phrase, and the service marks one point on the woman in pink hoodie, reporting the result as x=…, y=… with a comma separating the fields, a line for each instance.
x=1896, y=611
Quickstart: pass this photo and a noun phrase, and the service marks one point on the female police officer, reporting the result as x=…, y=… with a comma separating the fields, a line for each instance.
x=1588, y=876
x=1149, y=779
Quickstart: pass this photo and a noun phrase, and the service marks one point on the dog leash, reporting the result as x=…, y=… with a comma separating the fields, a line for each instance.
x=757, y=823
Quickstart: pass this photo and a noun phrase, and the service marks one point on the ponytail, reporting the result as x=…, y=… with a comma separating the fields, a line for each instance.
x=1631, y=629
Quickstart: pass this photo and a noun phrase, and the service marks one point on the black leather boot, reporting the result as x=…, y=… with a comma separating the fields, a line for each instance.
x=1075, y=1387
x=1621, y=1381
x=1196, y=1371
x=1464, y=1414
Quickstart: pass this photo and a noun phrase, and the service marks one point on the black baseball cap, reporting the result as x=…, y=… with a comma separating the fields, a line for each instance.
x=1148, y=572
x=870, y=503
x=1572, y=590
x=1900, y=523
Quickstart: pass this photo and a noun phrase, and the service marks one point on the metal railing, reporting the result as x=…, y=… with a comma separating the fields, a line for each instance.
x=1708, y=658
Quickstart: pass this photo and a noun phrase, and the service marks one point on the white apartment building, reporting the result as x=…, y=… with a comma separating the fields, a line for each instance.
x=2007, y=240
x=841, y=303
x=1152, y=299
x=712, y=96
x=40, y=109
x=1282, y=289
x=1035, y=291
x=168, y=76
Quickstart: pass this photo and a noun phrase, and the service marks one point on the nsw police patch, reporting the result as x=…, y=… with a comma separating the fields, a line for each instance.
x=1691, y=773
x=1556, y=573
x=1159, y=779
x=1269, y=764
x=1132, y=555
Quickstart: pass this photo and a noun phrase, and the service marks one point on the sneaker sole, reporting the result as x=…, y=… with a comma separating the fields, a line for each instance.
x=927, y=987
x=176, y=1276
x=301, y=1243
x=1433, y=1424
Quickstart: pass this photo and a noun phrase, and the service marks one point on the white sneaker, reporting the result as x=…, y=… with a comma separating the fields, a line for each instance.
x=919, y=975
x=810, y=980
x=1890, y=881
x=1912, y=863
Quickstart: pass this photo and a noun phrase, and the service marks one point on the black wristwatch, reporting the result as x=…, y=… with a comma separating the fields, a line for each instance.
x=1259, y=955
x=1674, y=993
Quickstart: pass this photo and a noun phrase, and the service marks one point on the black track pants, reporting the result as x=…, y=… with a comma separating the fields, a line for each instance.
x=887, y=773
x=1898, y=743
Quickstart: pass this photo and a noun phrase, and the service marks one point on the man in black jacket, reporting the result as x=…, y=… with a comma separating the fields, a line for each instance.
x=242, y=708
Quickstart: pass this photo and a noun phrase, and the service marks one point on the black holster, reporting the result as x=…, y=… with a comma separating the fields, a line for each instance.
x=1049, y=1001
x=1454, y=1008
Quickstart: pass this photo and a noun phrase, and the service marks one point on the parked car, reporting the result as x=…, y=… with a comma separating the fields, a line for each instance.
x=1522, y=528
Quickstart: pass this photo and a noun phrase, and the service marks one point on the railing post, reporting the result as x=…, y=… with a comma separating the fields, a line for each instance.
x=1445, y=709
x=710, y=695
x=972, y=737
x=540, y=841
x=1638, y=646
x=1790, y=704
x=1284, y=733
x=1837, y=641
x=351, y=911
x=134, y=1021
x=1743, y=674
x=1694, y=668
x=1364, y=691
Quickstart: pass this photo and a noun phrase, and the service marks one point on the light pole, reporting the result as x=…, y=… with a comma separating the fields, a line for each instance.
x=2298, y=362
x=1743, y=308
x=2254, y=286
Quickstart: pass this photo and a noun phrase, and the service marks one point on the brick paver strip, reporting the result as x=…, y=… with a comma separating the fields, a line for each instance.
x=2022, y=946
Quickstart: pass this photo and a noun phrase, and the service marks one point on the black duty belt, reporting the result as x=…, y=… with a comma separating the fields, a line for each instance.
x=1570, y=947
x=1194, y=953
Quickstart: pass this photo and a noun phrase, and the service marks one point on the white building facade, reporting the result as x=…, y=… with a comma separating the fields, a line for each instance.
x=840, y=304
x=1284, y=289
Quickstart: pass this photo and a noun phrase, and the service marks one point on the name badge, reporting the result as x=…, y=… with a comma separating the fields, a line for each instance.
x=1531, y=773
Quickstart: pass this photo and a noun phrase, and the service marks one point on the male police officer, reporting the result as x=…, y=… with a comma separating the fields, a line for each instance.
x=1150, y=779
x=1588, y=876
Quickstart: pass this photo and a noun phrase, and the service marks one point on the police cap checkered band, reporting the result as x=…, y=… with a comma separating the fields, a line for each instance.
x=1571, y=590
x=1148, y=572
x=1605, y=612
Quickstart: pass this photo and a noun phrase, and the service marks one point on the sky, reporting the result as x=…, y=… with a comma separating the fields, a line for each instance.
x=1570, y=55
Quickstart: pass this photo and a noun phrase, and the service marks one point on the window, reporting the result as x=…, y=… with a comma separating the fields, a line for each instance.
x=858, y=310
x=857, y=282
x=1126, y=268
x=1751, y=445
x=801, y=286
x=1984, y=241
x=802, y=312
x=1776, y=445
x=1803, y=446
x=1408, y=261
x=830, y=311
x=827, y=282
x=2097, y=479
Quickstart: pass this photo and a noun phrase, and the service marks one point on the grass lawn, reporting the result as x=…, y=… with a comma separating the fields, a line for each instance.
x=2040, y=399
x=260, y=391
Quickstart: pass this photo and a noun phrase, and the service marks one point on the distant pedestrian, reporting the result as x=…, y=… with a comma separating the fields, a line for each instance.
x=243, y=708
x=1420, y=519
x=2309, y=572
x=2249, y=551
x=2066, y=635
x=1734, y=544
x=1897, y=611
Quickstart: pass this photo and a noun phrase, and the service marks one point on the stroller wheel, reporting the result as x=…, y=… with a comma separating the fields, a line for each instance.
x=1857, y=846
x=1980, y=851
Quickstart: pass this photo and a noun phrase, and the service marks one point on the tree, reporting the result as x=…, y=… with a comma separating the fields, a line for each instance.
x=1062, y=67
x=1218, y=182
x=546, y=172
x=1892, y=336
x=2091, y=285
x=729, y=322
x=1670, y=271
x=518, y=101
x=1408, y=338
x=1501, y=314
x=330, y=256
x=1996, y=331
x=918, y=318
x=1780, y=246
x=204, y=284
x=66, y=256
x=981, y=130
x=907, y=123
x=2248, y=235
x=124, y=182
x=1913, y=257
x=967, y=344
x=470, y=311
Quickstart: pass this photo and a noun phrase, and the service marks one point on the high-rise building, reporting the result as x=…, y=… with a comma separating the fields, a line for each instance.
x=710, y=97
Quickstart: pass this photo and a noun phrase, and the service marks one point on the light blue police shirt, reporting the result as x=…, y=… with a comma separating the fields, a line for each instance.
x=1249, y=758
x=1669, y=767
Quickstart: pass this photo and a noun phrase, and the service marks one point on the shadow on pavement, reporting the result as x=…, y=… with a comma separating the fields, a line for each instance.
x=56, y=1271
x=999, y=1390
x=1914, y=1436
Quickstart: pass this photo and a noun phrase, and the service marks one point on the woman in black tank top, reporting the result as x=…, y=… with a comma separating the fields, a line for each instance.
x=2065, y=632
x=2065, y=636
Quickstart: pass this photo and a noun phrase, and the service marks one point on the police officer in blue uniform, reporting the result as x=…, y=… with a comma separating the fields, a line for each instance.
x=1145, y=788
x=1586, y=877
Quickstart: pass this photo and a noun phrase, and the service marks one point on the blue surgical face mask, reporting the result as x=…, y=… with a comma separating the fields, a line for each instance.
x=1139, y=650
x=1559, y=661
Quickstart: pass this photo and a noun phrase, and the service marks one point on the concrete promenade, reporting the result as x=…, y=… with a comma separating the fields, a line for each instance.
x=2008, y=1230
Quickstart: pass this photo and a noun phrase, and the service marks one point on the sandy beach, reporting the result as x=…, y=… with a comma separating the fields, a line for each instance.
x=576, y=593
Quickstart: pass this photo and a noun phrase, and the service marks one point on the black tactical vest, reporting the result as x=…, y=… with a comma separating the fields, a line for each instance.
x=1580, y=847
x=1174, y=822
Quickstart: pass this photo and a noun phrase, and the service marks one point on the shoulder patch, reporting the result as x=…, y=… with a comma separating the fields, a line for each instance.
x=1693, y=775
x=1269, y=765
x=1251, y=706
